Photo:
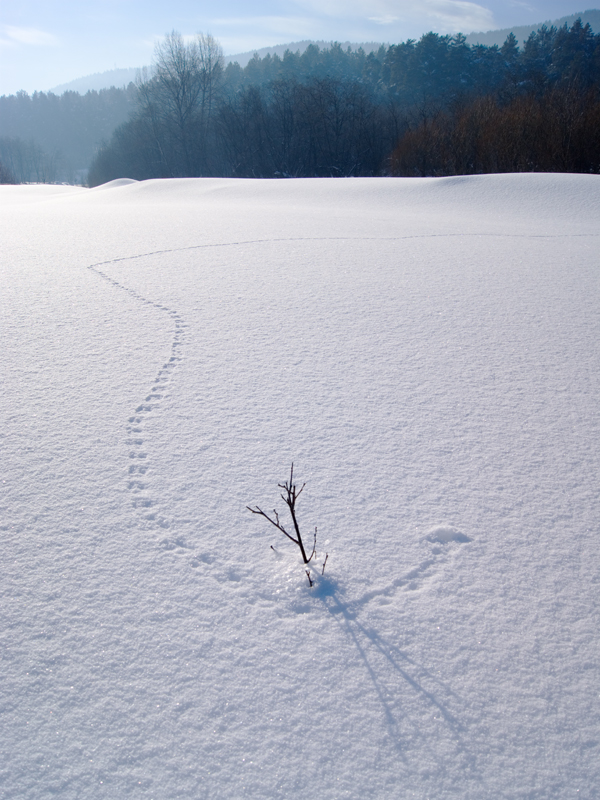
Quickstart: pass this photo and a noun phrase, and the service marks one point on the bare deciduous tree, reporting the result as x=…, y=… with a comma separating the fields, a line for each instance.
x=178, y=99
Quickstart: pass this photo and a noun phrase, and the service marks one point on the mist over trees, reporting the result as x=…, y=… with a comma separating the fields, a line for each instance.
x=6, y=175
x=27, y=162
x=65, y=131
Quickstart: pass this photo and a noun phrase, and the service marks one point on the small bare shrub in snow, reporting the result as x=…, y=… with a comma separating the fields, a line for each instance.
x=290, y=495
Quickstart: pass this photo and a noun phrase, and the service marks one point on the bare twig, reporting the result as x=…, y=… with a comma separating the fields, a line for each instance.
x=290, y=494
x=314, y=550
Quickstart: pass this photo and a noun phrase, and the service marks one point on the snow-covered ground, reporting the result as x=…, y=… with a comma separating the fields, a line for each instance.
x=426, y=352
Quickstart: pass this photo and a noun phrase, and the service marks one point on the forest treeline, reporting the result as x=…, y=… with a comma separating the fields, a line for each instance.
x=435, y=106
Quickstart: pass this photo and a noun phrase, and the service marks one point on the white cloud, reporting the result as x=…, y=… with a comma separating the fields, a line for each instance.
x=342, y=9
x=443, y=15
x=519, y=4
x=29, y=36
x=456, y=15
x=388, y=19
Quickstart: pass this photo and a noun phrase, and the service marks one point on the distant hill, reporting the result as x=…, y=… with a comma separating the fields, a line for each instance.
x=244, y=58
x=122, y=77
x=99, y=80
x=522, y=31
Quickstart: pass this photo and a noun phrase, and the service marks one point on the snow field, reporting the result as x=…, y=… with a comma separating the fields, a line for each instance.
x=426, y=352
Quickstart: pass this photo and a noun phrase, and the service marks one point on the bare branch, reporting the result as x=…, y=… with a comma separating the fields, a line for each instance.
x=274, y=522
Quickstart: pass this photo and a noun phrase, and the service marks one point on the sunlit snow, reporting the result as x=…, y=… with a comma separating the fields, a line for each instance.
x=426, y=352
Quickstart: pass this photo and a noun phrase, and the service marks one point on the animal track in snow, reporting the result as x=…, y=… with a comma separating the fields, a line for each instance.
x=144, y=504
x=442, y=537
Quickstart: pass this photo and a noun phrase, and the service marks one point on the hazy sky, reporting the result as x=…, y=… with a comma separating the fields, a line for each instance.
x=44, y=43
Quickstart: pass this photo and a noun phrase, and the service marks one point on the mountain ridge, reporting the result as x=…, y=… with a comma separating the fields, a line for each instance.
x=522, y=32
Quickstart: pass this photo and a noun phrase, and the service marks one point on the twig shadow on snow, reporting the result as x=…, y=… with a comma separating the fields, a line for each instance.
x=345, y=615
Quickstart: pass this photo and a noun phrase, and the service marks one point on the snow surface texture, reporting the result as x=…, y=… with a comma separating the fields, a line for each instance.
x=427, y=353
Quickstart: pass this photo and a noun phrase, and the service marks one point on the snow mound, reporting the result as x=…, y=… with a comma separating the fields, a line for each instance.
x=442, y=534
x=504, y=205
x=115, y=184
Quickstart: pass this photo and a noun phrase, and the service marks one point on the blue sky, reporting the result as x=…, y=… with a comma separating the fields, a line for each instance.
x=45, y=43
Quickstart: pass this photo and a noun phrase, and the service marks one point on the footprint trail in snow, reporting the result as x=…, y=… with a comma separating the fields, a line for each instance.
x=138, y=454
x=438, y=558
